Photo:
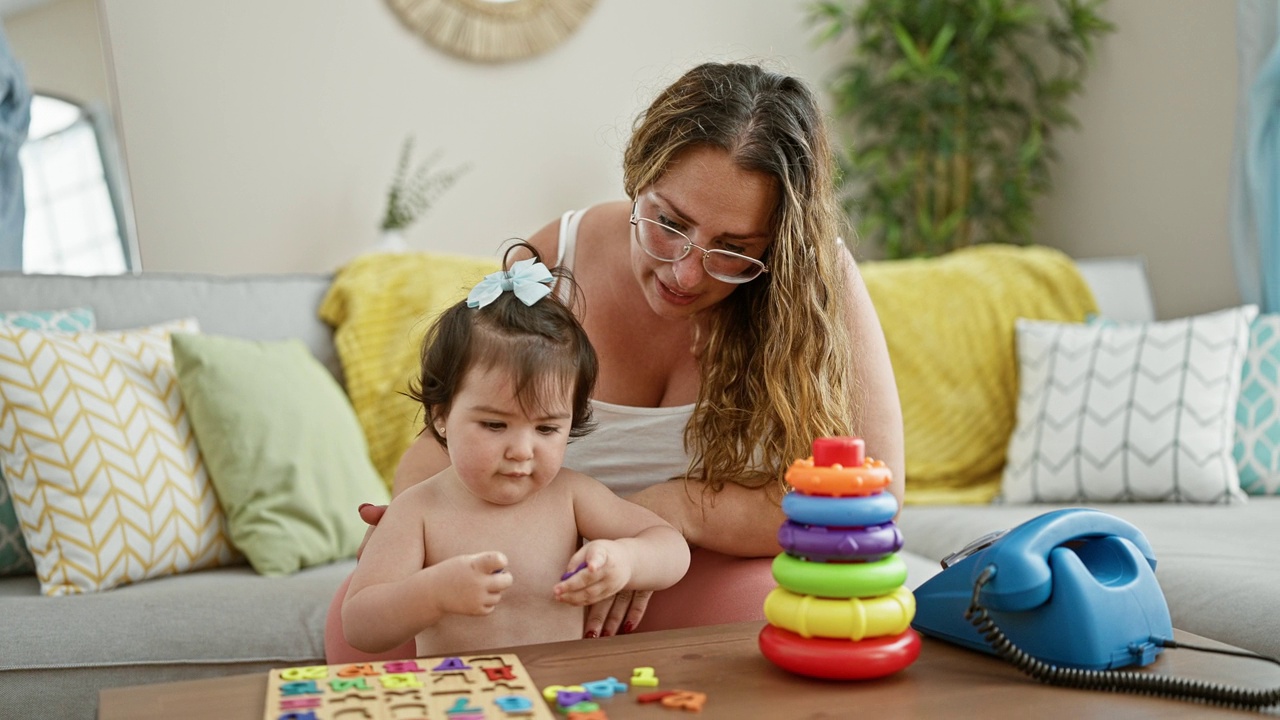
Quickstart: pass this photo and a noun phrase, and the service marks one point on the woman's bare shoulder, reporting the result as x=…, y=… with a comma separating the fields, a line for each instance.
x=597, y=219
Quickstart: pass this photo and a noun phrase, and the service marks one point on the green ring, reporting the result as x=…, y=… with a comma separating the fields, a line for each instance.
x=840, y=580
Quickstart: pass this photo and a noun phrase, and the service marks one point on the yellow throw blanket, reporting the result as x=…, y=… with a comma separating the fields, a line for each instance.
x=949, y=323
x=380, y=306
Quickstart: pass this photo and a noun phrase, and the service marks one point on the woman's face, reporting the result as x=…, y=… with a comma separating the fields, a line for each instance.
x=717, y=205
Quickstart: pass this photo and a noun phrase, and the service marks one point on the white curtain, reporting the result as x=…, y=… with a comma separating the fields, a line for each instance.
x=1255, y=172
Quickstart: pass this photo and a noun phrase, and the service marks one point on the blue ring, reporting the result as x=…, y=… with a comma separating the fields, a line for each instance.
x=876, y=509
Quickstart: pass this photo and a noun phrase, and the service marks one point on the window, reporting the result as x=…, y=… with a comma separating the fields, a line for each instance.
x=74, y=202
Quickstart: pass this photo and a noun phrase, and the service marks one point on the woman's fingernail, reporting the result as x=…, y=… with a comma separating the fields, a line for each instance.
x=589, y=634
x=364, y=505
x=627, y=627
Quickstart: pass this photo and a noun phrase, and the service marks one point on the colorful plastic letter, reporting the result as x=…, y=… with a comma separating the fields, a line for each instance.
x=513, y=703
x=453, y=663
x=644, y=677
x=685, y=700
x=499, y=673
x=401, y=666
x=400, y=680
x=605, y=688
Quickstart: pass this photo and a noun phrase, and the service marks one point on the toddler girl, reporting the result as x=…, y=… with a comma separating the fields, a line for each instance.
x=488, y=552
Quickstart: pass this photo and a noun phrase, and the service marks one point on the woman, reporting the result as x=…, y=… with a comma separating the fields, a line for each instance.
x=732, y=329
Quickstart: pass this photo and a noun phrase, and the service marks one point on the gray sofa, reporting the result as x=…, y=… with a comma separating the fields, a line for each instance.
x=56, y=653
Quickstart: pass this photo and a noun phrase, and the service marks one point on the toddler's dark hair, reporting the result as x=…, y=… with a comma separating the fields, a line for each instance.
x=543, y=346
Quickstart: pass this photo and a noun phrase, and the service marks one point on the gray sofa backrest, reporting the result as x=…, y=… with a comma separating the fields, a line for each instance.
x=253, y=307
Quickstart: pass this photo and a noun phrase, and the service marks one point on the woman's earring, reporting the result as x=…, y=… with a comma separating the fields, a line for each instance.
x=440, y=430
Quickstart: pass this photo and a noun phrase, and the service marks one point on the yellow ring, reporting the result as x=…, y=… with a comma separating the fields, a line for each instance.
x=850, y=619
x=837, y=480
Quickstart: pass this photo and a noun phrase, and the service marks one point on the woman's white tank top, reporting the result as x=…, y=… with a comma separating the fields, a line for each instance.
x=631, y=447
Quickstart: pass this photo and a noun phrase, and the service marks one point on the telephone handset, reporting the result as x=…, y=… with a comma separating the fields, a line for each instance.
x=1066, y=597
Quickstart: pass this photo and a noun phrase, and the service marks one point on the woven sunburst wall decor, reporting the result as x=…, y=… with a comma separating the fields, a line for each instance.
x=493, y=30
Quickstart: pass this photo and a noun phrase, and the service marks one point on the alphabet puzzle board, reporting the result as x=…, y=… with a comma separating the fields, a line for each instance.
x=477, y=687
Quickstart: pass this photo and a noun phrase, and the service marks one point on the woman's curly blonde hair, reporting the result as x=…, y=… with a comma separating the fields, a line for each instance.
x=776, y=366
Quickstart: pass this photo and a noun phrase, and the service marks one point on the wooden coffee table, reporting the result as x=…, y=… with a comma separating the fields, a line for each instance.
x=724, y=662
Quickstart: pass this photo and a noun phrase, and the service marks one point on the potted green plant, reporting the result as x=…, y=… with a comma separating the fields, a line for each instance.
x=414, y=189
x=950, y=108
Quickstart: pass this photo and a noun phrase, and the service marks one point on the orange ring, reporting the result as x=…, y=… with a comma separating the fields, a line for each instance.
x=839, y=481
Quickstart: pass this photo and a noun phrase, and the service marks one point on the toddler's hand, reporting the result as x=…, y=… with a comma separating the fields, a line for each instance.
x=471, y=584
x=608, y=570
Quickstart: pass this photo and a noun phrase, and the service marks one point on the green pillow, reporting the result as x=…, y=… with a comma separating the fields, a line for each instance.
x=282, y=446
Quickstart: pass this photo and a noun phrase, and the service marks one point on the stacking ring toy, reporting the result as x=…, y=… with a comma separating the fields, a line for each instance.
x=839, y=659
x=836, y=480
x=874, y=509
x=822, y=543
x=851, y=619
x=839, y=580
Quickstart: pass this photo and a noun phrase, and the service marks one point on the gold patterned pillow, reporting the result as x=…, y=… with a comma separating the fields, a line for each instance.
x=102, y=465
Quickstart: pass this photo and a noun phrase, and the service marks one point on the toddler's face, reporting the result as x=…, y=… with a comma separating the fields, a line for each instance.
x=502, y=452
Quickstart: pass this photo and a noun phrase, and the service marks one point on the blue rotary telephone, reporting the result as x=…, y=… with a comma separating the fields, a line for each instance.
x=1067, y=597
x=1074, y=587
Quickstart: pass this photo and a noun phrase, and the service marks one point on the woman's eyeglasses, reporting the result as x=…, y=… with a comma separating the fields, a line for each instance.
x=663, y=242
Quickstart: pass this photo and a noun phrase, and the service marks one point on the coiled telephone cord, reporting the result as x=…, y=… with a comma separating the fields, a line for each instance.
x=1116, y=680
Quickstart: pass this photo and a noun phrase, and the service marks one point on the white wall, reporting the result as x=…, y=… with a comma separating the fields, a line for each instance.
x=1147, y=174
x=261, y=133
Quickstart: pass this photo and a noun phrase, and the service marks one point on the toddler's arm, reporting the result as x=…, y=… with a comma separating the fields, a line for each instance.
x=630, y=547
x=392, y=597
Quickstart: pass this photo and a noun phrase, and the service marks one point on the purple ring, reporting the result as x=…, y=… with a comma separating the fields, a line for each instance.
x=822, y=543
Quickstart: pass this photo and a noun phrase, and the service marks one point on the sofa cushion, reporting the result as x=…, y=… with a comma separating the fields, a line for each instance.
x=104, y=471
x=283, y=449
x=254, y=307
x=59, y=651
x=1128, y=412
x=380, y=305
x=15, y=558
x=949, y=323
x=1215, y=563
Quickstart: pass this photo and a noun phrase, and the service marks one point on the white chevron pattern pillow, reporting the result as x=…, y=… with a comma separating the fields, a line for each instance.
x=102, y=465
x=1140, y=412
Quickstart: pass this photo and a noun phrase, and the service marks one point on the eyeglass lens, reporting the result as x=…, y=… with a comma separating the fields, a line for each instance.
x=667, y=244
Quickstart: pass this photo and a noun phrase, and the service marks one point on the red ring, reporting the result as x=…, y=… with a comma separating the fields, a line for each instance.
x=839, y=659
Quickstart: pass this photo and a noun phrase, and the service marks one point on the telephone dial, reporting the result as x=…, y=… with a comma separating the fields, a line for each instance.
x=1067, y=597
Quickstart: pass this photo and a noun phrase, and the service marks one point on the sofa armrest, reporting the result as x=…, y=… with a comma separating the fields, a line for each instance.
x=1120, y=286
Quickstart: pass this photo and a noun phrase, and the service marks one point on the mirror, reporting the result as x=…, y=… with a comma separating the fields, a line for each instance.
x=79, y=219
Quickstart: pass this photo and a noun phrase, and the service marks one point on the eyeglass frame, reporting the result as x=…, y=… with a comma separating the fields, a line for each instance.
x=689, y=244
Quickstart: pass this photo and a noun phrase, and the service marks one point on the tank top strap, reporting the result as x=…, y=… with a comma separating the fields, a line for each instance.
x=568, y=240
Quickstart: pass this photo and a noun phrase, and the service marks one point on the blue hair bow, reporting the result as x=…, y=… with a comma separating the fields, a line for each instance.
x=529, y=279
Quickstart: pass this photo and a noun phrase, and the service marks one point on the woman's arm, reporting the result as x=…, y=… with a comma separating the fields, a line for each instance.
x=734, y=521
x=879, y=412
x=424, y=458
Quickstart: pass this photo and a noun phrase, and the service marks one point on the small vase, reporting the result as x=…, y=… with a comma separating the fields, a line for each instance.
x=390, y=241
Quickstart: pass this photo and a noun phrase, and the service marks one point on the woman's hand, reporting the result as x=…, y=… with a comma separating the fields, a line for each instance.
x=617, y=615
x=371, y=514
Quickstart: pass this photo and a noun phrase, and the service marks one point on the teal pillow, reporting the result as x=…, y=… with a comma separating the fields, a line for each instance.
x=15, y=558
x=1257, y=448
x=282, y=446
